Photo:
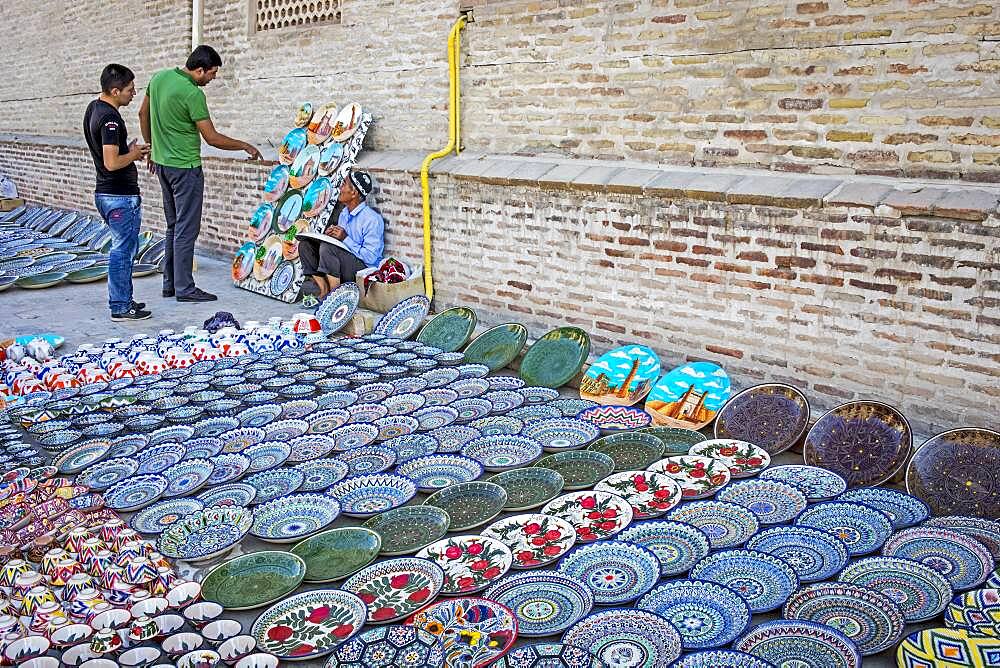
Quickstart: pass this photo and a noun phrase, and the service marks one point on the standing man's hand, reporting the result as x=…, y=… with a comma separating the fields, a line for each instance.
x=150, y=165
x=252, y=151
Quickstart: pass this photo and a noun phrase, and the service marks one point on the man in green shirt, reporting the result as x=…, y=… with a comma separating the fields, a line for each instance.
x=174, y=119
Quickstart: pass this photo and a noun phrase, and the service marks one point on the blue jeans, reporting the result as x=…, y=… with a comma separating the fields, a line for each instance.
x=123, y=214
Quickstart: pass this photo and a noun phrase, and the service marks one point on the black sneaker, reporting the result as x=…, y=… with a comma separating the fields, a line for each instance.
x=138, y=306
x=197, y=295
x=131, y=314
x=168, y=293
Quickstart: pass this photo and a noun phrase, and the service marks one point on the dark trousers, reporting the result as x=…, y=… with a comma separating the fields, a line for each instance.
x=182, y=198
x=320, y=258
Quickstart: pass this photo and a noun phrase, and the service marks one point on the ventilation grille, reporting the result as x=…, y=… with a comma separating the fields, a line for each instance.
x=279, y=14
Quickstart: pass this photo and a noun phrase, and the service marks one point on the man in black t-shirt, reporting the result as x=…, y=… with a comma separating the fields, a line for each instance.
x=117, y=192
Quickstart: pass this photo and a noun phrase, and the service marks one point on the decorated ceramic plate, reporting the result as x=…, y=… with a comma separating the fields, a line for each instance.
x=326, y=420
x=689, y=396
x=322, y=473
x=294, y=517
x=902, y=509
x=545, y=603
x=948, y=648
x=330, y=155
x=470, y=563
x=985, y=531
x=396, y=588
x=773, y=416
x=81, y=455
x=469, y=504
x=593, y=515
x=497, y=347
x=920, y=592
x=954, y=472
x=233, y=494
x=337, y=553
x=238, y=440
x=677, y=546
x=865, y=442
x=449, y=330
x=621, y=377
x=555, y=358
x=346, y=122
x=962, y=559
x=813, y=554
x=720, y=658
x=650, y=494
x=550, y=655
x=534, y=539
x=253, y=580
x=158, y=458
x=434, y=472
x=642, y=639
x=135, y=493
x=397, y=645
x=764, y=581
x=369, y=459
x=630, y=450
x=861, y=528
x=274, y=483
x=407, y=529
x=338, y=307
x=570, y=407
x=500, y=452
x=187, y=476
x=771, y=501
x=744, y=459
x=528, y=487
x=205, y=534
x=452, y=621
x=367, y=495
x=291, y=145
x=706, y=615
x=816, y=483
x=403, y=319
x=496, y=425
x=535, y=396
x=276, y=184
x=868, y=618
x=977, y=612
x=580, y=469
x=699, y=477
x=614, y=418
x=725, y=524
x=533, y=414
x=268, y=454
x=157, y=517
x=787, y=642
x=615, y=571
x=309, y=625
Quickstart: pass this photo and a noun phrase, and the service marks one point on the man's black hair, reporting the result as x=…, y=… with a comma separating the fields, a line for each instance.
x=204, y=57
x=116, y=76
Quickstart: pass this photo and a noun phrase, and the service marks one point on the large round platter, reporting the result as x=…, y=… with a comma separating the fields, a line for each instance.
x=452, y=621
x=338, y=307
x=630, y=450
x=469, y=504
x=677, y=546
x=157, y=517
x=960, y=558
x=650, y=494
x=449, y=330
x=497, y=347
x=688, y=396
x=743, y=459
x=861, y=528
x=787, y=642
x=580, y=469
x=773, y=416
x=135, y=493
x=621, y=377
x=501, y=452
x=725, y=524
x=868, y=618
x=615, y=418
x=276, y=184
x=533, y=539
x=103, y=475
x=434, y=472
x=555, y=358
x=403, y=319
x=615, y=571
x=947, y=648
x=303, y=169
x=902, y=509
x=337, y=553
x=368, y=460
x=308, y=625
x=627, y=637
x=705, y=614
x=816, y=483
x=160, y=457
x=274, y=483
x=187, y=476
x=405, y=530
x=396, y=645
x=528, y=487
x=294, y=517
x=977, y=612
x=233, y=494
x=291, y=145
x=813, y=554
x=498, y=425
x=569, y=407
x=545, y=603
x=356, y=435
x=470, y=563
x=765, y=582
x=396, y=588
x=253, y=580
x=720, y=658
x=771, y=501
x=562, y=433
x=985, y=531
x=919, y=591
x=593, y=515
x=865, y=442
x=81, y=455
x=205, y=534
x=955, y=472
x=699, y=477
x=367, y=495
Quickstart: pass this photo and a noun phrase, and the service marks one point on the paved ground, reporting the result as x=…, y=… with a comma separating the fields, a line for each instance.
x=80, y=312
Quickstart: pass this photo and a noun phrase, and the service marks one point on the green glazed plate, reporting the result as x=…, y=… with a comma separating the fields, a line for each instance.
x=580, y=469
x=89, y=275
x=554, y=359
x=405, y=530
x=139, y=270
x=253, y=580
x=631, y=451
x=449, y=330
x=497, y=347
x=529, y=487
x=676, y=440
x=338, y=553
x=469, y=504
x=46, y=280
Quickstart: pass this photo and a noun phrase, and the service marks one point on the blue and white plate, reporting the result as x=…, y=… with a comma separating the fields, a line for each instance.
x=103, y=475
x=453, y=438
x=395, y=426
x=722, y=658
x=862, y=528
x=322, y=473
x=562, y=433
x=267, y=455
x=472, y=370
x=764, y=581
x=534, y=394
x=813, y=554
x=799, y=643
x=959, y=557
x=177, y=433
x=440, y=377
x=505, y=383
x=285, y=430
x=241, y=438
x=338, y=307
x=352, y=436
x=373, y=393
x=919, y=591
x=296, y=409
x=504, y=400
x=403, y=404
x=233, y=494
x=214, y=426
x=310, y=446
x=503, y=451
x=984, y=530
x=339, y=398
x=816, y=483
x=773, y=502
x=615, y=571
x=571, y=407
x=496, y=425
x=158, y=458
x=157, y=517
x=870, y=619
x=227, y=467
x=725, y=524
x=403, y=319
x=471, y=409
x=439, y=396
x=409, y=384
x=706, y=615
x=434, y=472
x=368, y=495
x=467, y=388
x=81, y=455
x=435, y=417
x=545, y=603
x=368, y=459
x=902, y=509
x=326, y=420
x=274, y=483
x=409, y=446
x=530, y=414
x=128, y=445
x=366, y=412
x=257, y=416
x=627, y=637
x=294, y=517
x=135, y=493
x=677, y=546
x=187, y=476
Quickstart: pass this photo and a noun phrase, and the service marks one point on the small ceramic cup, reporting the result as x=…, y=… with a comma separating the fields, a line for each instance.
x=139, y=657
x=258, y=660
x=221, y=630
x=199, y=658
x=202, y=613
x=182, y=643
x=236, y=648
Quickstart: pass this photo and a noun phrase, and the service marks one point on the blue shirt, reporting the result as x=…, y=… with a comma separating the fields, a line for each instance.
x=365, y=233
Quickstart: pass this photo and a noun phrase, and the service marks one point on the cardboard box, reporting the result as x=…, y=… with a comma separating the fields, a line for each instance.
x=383, y=296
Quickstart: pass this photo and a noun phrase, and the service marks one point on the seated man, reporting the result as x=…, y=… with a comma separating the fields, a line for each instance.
x=359, y=227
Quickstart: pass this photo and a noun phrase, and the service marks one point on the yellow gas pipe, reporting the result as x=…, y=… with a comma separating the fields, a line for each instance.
x=453, y=143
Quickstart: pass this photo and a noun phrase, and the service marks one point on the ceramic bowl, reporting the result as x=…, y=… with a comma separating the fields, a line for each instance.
x=205, y=533
x=139, y=657
x=182, y=643
x=294, y=517
x=71, y=634
x=199, y=658
x=367, y=495
x=237, y=647
x=151, y=607
x=52, y=662
x=26, y=648
x=221, y=630
x=169, y=624
x=183, y=594
x=78, y=654
x=501, y=452
x=200, y=614
x=562, y=433
x=111, y=619
x=259, y=660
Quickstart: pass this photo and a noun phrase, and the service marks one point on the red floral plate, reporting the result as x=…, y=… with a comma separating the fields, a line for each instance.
x=309, y=625
x=533, y=538
x=650, y=494
x=395, y=588
x=698, y=476
x=470, y=563
x=594, y=515
x=744, y=459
